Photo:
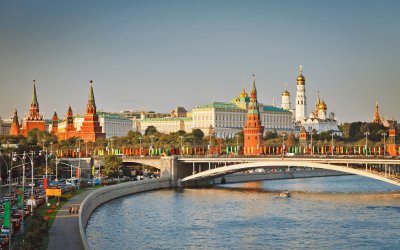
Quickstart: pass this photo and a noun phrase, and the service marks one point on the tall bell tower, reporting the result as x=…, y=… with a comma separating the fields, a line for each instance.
x=301, y=100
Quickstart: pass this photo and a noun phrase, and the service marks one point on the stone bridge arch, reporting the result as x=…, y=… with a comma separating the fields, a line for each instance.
x=222, y=171
x=164, y=164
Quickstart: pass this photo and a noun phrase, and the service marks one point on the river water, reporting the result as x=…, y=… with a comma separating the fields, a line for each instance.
x=343, y=212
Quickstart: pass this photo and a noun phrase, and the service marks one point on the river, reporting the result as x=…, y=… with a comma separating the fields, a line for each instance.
x=342, y=212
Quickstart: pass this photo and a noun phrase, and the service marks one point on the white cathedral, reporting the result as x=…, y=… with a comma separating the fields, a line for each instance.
x=318, y=120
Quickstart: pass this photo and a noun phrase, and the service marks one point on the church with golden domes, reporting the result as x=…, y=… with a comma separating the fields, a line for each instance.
x=318, y=120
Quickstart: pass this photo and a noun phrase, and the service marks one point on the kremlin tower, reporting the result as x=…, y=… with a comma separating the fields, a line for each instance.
x=54, y=124
x=377, y=117
x=391, y=145
x=15, y=128
x=253, y=130
x=301, y=100
x=70, y=130
x=33, y=121
x=91, y=129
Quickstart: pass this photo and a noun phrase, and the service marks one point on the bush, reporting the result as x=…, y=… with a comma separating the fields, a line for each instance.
x=83, y=184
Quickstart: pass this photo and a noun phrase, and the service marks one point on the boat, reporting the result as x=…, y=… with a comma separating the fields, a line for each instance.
x=285, y=194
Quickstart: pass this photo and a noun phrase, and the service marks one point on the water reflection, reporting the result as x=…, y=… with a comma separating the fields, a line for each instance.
x=253, y=216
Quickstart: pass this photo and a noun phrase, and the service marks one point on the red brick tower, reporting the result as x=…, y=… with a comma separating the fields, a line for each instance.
x=70, y=130
x=303, y=137
x=34, y=120
x=54, y=124
x=15, y=128
x=91, y=129
x=253, y=130
x=391, y=145
x=377, y=117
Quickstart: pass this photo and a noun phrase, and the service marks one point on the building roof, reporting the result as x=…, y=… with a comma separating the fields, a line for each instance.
x=166, y=119
x=269, y=108
x=219, y=105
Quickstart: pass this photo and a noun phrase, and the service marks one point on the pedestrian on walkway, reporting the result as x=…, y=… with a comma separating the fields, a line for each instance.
x=70, y=209
x=73, y=210
x=77, y=210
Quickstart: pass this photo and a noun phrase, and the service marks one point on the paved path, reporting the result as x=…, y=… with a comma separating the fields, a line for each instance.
x=64, y=233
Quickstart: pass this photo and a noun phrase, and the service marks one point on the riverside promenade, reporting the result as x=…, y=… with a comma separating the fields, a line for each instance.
x=64, y=233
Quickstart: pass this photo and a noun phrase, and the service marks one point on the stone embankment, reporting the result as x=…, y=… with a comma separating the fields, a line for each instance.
x=103, y=195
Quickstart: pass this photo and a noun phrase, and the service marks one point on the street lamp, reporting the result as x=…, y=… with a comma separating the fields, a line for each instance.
x=283, y=144
x=32, y=174
x=311, y=143
x=384, y=144
x=151, y=145
x=15, y=156
x=237, y=144
x=366, y=143
x=181, y=137
x=332, y=142
x=9, y=201
x=140, y=141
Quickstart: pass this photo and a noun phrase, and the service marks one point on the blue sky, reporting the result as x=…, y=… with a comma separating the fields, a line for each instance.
x=157, y=55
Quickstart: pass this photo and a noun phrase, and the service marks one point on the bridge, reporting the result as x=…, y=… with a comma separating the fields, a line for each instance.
x=189, y=171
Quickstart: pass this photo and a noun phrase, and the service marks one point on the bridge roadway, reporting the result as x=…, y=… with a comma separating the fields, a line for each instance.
x=184, y=169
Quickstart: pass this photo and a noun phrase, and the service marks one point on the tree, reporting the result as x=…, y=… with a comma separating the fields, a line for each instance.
x=150, y=130
x=198, y=135
x=111, y=164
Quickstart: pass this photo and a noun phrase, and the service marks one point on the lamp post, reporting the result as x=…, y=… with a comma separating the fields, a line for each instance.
x=332, y=143
x=384, y=144
x=237, y=144
x=79, y=155
x=366, y=143
x=181, y=137
x=51, y=148
x=140, y=149
x=151, y=145
x=15, y=156
x=283, y=144
x=9, y=200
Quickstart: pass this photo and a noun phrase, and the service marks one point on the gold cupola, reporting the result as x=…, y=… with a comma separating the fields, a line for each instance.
x=286, y=92
x=301, y=80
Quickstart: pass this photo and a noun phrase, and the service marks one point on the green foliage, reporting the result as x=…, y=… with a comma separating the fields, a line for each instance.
x=83, y=184
x=198, y=135
x=150, y=130
x=35, y=231
x=270, y=135
x=111, y=164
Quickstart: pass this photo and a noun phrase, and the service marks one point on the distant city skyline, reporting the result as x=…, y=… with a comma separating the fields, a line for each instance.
x=161, y=54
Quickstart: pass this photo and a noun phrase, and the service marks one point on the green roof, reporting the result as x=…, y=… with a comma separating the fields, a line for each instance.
x=269, y=108
x=219, y=105
x=167, y=119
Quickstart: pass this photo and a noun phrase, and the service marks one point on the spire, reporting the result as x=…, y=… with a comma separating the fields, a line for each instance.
x=34, y=96
x=253, y=88
x=377, y=117
x=15, y=118
x=91, y=94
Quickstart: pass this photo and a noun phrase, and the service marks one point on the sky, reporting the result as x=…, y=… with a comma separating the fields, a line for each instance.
x=157, y=55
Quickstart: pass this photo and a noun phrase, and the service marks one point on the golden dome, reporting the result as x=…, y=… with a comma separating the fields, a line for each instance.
x=301, y=80
x=285, y=93
x=322, y=105
x=244, y=94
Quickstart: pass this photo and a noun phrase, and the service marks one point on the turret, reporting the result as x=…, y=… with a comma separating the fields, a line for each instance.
x=54, y=124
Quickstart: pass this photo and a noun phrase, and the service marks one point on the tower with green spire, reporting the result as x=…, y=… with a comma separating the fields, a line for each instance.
x=91, y=129
x=35, y=119
x=253, y=131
